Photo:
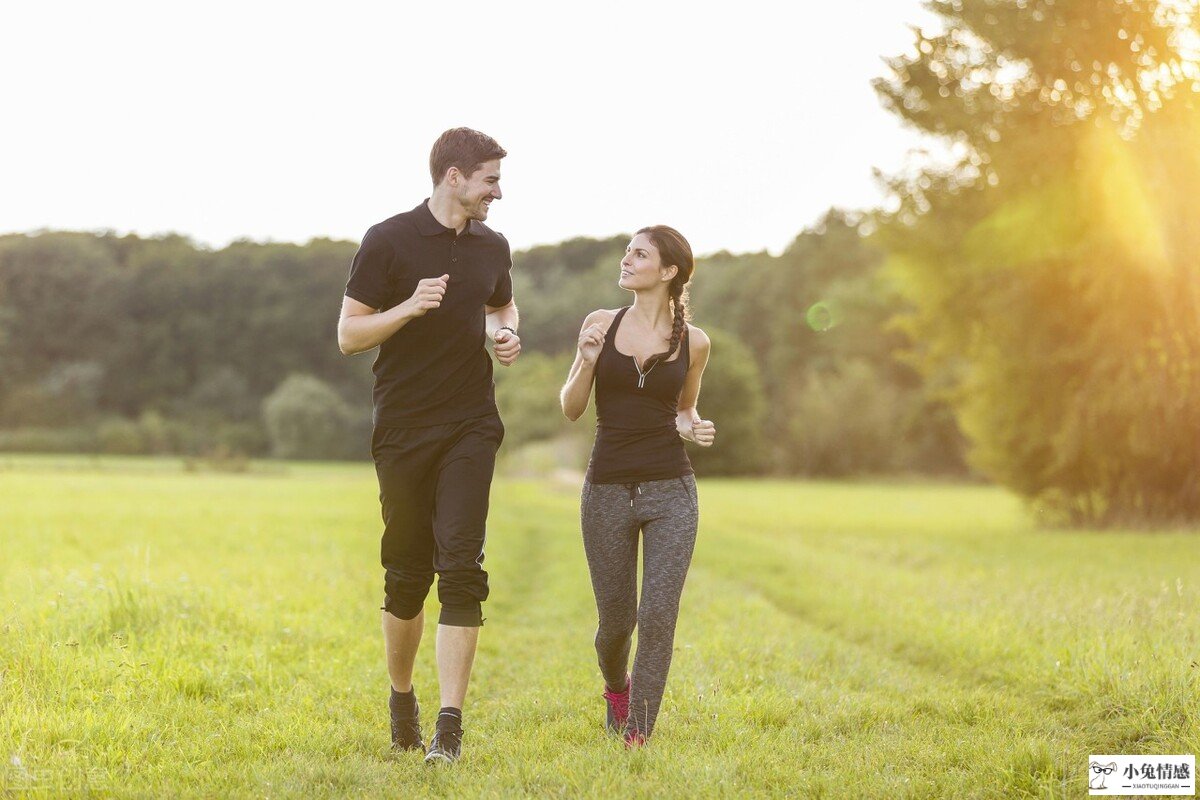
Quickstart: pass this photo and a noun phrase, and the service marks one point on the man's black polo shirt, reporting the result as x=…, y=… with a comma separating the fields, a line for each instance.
x=436, y=369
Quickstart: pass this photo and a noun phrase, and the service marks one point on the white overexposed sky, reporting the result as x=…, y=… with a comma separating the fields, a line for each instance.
x=738, y=123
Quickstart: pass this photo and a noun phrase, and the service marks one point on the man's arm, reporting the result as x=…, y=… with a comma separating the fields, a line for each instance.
x=501, y=317
x=362, y=328
x=506, y=343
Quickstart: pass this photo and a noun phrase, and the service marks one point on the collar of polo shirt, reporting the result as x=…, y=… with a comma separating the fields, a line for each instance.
x=428, y=225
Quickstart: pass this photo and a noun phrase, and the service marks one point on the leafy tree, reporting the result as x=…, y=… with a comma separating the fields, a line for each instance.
x=1051, y=264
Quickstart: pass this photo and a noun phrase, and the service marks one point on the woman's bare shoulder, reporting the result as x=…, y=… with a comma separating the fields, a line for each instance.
x=698, y=337
x=602, y=317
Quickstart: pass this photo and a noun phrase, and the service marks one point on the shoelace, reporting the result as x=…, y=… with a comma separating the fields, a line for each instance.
x=620, y=704
x=447, y=740
x=410, y=726
x=406, y=722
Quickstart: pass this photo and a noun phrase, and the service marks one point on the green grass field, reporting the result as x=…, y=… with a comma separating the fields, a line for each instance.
x=168, y=633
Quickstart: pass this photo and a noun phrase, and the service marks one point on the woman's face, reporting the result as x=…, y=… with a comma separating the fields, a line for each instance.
x=642, y=266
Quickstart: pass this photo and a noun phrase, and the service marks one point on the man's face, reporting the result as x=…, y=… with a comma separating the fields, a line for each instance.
x=477, y=192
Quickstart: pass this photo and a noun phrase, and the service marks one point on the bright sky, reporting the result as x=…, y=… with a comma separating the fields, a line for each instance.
x=739, y=123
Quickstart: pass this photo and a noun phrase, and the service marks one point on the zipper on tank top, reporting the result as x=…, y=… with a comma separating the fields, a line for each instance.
x=642, y=375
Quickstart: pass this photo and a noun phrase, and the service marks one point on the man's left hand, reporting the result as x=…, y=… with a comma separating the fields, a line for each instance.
x=507, y=346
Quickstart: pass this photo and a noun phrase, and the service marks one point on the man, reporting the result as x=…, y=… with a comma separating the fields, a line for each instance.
x=429, y=287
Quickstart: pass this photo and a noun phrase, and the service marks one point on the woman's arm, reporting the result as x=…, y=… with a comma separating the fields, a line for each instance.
x=578, y=388
x=687, y=419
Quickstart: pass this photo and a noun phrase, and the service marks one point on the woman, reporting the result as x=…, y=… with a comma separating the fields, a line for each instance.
x=646, y=361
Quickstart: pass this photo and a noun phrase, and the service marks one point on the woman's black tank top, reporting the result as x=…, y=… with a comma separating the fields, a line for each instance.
x=636, y=438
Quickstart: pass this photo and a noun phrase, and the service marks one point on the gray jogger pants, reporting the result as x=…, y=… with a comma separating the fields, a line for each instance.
x=613, y=514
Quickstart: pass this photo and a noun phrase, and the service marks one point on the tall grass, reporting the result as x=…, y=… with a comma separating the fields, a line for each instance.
x=165, y=632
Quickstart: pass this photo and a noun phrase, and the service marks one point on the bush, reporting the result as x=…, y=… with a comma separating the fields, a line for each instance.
x=237, y=438
x=48, y=440
x=731, y=395
x=224, y=394
x=66, y=393
x=306, y=418
x=845, y=420
x=121, y=437
x=527, y=395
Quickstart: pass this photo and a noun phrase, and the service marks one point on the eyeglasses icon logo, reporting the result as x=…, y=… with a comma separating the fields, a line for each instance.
x=1099, y=773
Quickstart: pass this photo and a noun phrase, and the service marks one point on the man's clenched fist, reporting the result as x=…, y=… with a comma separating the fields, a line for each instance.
x=428, y=295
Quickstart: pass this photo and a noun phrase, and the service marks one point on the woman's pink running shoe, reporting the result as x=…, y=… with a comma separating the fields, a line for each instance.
x=618, y=708
x=634, y=739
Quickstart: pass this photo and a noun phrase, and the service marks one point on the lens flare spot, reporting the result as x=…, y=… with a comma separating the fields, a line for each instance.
x=821, y=316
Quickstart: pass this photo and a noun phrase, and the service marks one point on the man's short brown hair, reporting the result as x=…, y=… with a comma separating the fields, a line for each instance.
x=464, y=148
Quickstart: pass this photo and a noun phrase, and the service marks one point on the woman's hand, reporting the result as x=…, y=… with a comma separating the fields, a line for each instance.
x=591, y=340
x=701, y=431
x=704, y=432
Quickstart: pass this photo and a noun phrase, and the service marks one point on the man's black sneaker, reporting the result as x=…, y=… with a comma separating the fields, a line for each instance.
x=406, y=723
x=446, y=745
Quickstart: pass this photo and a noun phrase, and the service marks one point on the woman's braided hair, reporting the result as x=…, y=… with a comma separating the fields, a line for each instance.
x=674, y=251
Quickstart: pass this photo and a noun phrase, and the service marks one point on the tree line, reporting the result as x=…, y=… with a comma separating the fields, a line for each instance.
x=125, y=344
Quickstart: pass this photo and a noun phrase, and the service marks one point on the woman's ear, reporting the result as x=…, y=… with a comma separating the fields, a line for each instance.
x=669, y=273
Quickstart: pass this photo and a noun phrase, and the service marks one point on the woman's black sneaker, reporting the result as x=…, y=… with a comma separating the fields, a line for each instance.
x=406, y=722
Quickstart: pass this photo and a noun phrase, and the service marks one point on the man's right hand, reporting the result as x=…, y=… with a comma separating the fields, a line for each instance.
x=428, y=295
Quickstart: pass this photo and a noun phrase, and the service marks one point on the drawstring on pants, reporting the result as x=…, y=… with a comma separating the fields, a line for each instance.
x=631, y=487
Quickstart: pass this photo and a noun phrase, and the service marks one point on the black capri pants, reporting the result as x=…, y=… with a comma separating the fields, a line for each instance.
x=434, y=483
